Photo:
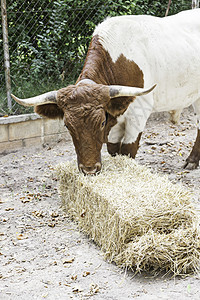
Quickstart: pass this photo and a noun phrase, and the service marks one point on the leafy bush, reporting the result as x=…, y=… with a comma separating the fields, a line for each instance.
x=49, y=39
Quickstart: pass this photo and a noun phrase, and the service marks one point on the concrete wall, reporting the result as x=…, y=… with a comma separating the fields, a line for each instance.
x=29, y=130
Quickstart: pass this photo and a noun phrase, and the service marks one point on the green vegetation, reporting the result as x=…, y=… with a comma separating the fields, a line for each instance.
x=49, y=39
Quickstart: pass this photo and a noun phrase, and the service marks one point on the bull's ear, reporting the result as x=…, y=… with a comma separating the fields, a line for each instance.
x=51, y=111
x=118, y=106
x=122, y=96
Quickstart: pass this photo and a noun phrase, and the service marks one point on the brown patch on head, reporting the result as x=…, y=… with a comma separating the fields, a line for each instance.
x=83, y=94
x=84, y=116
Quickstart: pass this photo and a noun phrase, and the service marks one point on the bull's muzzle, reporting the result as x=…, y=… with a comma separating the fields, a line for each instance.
x=90, y=170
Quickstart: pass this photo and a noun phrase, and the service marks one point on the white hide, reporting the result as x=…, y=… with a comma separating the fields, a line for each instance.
x=167, y=50
x=133, y=121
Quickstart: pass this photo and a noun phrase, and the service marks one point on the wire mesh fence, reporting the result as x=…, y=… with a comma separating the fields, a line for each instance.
x=48, y=40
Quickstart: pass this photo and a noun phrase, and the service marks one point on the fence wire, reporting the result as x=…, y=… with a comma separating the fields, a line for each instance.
x=48, y=40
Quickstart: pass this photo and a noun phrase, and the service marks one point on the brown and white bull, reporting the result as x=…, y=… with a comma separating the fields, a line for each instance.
x=114, y=94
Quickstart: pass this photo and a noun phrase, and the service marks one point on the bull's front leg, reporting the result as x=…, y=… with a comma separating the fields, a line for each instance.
x=124, y=149
x=125, y=136
x=131, y=148
x=114, y=148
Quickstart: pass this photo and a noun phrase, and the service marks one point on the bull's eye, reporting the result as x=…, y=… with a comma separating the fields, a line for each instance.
x=103, y=123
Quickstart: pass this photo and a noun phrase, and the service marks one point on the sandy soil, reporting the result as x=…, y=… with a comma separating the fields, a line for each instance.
x=42, y=253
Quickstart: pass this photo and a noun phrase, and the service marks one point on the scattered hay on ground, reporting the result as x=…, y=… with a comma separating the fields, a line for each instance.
x=139, y=219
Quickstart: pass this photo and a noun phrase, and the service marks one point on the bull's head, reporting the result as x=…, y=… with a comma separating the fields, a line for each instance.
x=85, y=108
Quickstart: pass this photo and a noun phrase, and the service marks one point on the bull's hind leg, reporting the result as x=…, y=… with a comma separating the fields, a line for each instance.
x=192, y=162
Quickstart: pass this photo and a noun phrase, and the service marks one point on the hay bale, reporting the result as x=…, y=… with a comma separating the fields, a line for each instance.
x=139, y=219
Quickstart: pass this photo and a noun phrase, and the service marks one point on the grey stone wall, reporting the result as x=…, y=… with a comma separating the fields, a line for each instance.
x=29, y=130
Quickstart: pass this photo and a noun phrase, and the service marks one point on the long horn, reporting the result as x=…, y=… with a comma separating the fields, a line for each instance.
x=50, y=97
x=122, y=91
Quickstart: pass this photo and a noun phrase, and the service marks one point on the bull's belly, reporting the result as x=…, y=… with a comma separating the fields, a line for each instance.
x=166, y=101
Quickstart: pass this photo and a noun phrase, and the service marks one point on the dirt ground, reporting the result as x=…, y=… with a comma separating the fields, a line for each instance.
x=42, y=253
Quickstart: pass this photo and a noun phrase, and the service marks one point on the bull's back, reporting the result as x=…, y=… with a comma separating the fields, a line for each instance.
x=165, y=49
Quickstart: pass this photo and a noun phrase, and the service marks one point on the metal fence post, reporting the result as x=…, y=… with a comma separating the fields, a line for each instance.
x=6, y=52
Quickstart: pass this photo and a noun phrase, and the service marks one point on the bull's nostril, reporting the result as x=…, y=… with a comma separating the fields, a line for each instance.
x=90, y=170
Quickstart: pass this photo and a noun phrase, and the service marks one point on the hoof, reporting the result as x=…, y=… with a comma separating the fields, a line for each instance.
x=191, y=165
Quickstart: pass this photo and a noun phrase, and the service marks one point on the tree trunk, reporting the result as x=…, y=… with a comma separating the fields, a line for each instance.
x=6, y=52
x=195, y=4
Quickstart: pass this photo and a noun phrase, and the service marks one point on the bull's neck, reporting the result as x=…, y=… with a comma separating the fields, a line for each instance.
x=100, y=68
